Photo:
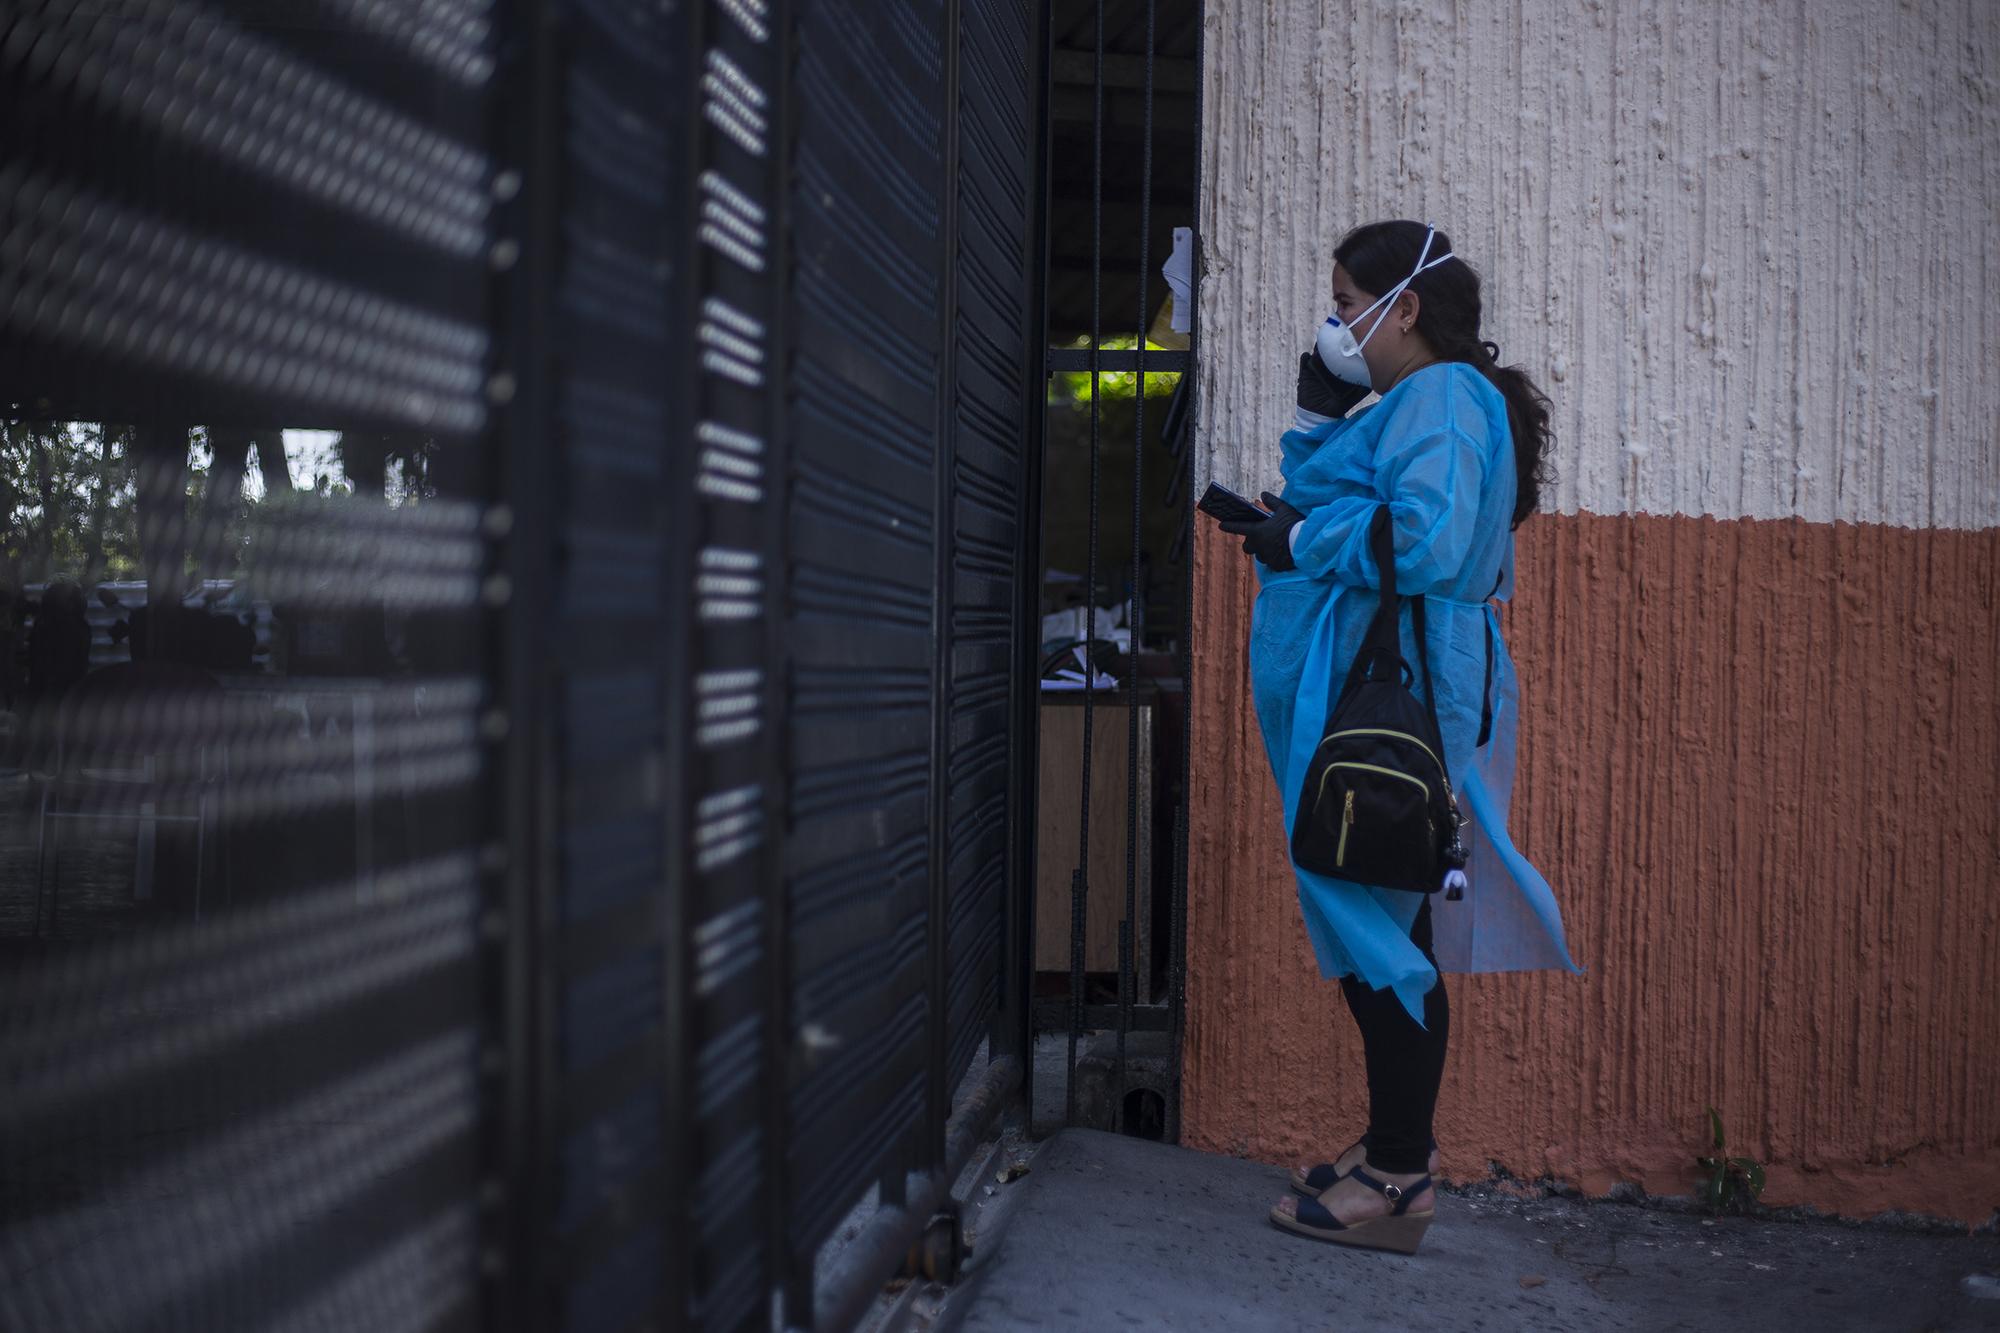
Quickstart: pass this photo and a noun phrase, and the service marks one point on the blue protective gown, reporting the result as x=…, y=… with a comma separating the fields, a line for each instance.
x=1437, y=448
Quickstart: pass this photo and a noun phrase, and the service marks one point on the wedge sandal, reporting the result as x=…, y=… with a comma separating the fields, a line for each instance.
x=1400, y=1232
x=1318, y=1180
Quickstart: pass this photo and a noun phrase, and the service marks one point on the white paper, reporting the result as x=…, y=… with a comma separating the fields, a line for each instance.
x=1179, y=273
x=1066, y=679
x=1108, y=625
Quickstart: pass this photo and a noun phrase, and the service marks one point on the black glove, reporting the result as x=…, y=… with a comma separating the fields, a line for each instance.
x=1269, y=539
x=1321, y=391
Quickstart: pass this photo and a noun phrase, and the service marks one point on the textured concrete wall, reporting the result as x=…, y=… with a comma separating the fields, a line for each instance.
x=1752, y=247
x=1746, y=248
x=1763, y=785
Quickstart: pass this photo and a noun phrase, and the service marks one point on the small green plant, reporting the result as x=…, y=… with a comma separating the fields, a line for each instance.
x=1728, y=1181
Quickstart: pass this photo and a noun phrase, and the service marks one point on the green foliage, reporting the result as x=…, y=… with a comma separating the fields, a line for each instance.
x=1727, y=1182
x=66, y=501
x=277, y=527
x=69, y=502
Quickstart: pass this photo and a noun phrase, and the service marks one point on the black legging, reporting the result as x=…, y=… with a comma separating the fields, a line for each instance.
x=1405, y=1063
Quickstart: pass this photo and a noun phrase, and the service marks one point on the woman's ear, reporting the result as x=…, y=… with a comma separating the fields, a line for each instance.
x=1408, y=306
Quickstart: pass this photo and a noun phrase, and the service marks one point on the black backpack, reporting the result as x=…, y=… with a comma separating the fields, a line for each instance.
x=1377, y=806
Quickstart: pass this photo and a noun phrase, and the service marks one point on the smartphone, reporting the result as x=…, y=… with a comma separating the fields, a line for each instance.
x=1221, y=503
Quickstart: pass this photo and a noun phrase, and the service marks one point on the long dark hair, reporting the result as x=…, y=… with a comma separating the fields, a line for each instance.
x=1380, y=255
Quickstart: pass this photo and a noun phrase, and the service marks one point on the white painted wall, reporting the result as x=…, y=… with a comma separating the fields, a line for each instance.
x=1749, y=247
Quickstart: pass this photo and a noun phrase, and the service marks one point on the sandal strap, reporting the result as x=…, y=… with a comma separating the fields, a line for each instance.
x=1400, y=1195
x=1315, y=1214
x=1322, y=1177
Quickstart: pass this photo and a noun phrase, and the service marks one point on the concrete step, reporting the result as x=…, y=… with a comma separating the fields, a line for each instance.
x=1110, y=1232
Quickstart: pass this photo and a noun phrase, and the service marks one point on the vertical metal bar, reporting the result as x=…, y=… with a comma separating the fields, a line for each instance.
x=680, y=1236
x=1177, y=956
x=520, y=858
x=1079, y=888
x=1014, y=1029
x=797, y=1270
x=1136, y=615
x=937, y=938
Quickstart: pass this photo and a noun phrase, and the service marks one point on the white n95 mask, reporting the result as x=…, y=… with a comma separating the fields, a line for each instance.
x=1339, y=352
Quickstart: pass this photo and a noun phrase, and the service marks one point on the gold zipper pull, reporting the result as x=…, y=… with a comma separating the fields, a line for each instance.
x=1346, y=821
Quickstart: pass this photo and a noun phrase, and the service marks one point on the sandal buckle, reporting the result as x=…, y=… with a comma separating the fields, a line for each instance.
x=1393, y=1193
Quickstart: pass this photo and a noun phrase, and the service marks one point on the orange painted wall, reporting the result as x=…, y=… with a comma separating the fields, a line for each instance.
x=1761, y=767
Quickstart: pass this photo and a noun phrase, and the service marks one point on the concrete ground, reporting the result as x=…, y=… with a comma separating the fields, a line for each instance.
x=1107, y=1232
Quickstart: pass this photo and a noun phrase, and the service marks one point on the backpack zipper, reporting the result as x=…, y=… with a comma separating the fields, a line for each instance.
x=1399, y=735
x=1346, y=823
x=1325, y=777
x=1384, y=731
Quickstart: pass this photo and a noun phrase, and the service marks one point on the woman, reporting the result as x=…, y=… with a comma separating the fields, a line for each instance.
x=1455, y=447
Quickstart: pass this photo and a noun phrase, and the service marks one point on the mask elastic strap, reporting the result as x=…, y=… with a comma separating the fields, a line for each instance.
x=1397, y=290
x=1404, y=285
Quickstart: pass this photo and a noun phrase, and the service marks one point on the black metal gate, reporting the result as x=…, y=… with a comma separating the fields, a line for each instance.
x=606, y=858
x=254, y=846
x=1122, y=190
x=906, y=347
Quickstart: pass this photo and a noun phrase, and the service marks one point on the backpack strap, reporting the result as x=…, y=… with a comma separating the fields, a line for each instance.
x=1383, y=539
x=1383, y=635
x=1382, y=643
x=1424, y=655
